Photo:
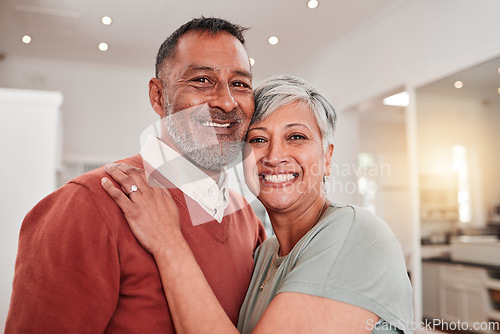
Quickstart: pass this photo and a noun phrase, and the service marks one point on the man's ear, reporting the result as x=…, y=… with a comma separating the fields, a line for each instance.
x=156, y=96
x=328, y=159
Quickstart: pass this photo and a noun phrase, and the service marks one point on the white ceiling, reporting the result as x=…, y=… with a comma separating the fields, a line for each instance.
x=481, y=82
x=71, y=29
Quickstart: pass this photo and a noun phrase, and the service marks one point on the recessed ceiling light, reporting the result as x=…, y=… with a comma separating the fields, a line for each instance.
x=498, y=70
x=458, y=84
x=106, y=20
x=103, y=46
x=252, y=61
x=498, y=90
x=399, y=100
x=312, y=4
x=273, y=40
x=26, y=39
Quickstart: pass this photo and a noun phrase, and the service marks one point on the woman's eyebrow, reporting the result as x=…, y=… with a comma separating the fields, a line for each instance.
x=258, y=128
x=291, y=125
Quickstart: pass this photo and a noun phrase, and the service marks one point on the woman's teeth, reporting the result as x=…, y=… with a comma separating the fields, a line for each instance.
x=279, y=177
x=216, y=125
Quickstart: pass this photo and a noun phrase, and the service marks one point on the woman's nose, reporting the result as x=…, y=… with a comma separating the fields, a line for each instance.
x=223, y=98
x=276, y=154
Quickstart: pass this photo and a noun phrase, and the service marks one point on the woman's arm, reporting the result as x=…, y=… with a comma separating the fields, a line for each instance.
x=193, y=305
x=291, y=312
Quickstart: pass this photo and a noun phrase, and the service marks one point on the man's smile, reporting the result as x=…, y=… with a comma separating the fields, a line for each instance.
x=218, y=125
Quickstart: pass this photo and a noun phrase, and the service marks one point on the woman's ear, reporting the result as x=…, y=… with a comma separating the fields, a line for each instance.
x=156, y=96
x=328, y=159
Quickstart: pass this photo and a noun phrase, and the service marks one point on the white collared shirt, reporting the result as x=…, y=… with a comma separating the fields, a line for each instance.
x=193, y=182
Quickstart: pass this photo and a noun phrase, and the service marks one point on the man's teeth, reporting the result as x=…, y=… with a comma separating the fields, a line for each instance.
x=216, y=125
x=279, y=177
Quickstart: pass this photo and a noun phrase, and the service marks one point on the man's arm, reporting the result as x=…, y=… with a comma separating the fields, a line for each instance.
x=67, y=272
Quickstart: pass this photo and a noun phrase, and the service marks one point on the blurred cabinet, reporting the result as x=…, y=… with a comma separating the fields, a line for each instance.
x=430, y=283
x=455, y=293
x=438, y=197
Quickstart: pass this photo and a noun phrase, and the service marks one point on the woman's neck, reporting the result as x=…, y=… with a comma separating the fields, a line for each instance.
x=291, y=226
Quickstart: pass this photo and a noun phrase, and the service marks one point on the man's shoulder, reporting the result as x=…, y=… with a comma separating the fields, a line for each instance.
x=92, y=179
x=83, y=192
x=80, y=202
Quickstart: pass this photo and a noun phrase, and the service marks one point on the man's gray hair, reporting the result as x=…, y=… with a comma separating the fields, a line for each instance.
x=280, y=91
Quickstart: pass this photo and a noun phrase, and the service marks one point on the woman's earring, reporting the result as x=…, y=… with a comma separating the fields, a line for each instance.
x=326, y=176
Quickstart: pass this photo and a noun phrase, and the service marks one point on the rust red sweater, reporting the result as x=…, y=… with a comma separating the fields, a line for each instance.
x=79, y=268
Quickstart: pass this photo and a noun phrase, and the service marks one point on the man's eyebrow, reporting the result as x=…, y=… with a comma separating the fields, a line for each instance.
x=200, y=68
x=195, y=67
x=245, y=74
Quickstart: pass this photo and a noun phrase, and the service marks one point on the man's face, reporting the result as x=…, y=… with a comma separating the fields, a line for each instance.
x=208, y=98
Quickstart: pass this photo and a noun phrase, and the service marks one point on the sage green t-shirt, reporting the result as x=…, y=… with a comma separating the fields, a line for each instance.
x=351, y=256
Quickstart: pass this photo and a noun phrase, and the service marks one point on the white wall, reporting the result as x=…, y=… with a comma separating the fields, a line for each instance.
x=105, y=107
x=491, y=176
x=387, y=142
x=342, y=187
x=29, y=133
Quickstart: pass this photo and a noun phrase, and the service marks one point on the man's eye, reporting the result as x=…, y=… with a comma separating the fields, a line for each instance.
x=240, y=84
x=201, y=80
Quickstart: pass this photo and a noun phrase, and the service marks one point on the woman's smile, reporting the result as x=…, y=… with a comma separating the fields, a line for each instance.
x=278, y=179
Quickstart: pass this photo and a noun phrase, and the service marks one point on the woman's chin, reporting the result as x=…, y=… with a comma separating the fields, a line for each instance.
x=276, y=203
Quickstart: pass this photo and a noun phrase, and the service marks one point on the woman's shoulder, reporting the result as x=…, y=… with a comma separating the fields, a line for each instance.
x=358, y=221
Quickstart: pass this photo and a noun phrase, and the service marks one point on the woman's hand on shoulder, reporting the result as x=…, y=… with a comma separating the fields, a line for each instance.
x=150, y=211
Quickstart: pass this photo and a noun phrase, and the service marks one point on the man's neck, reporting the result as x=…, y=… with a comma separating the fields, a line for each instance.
x=214, y=174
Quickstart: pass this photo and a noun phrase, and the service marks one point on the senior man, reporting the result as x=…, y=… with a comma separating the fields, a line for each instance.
x=79, y=268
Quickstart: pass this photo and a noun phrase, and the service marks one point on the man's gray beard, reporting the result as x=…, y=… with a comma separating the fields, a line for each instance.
x=209, y=157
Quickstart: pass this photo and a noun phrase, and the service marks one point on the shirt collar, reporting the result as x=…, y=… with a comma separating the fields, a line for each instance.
x=212, y=196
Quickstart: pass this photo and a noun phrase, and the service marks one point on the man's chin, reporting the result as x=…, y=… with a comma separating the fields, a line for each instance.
x=215, y=158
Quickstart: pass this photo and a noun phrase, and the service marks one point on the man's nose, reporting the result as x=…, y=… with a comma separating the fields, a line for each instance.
x=223, y=98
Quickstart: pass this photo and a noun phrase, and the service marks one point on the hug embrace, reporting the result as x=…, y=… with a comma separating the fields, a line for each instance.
x=159, y=243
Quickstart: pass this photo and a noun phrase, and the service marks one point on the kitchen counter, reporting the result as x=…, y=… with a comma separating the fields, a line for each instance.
x=448, y=260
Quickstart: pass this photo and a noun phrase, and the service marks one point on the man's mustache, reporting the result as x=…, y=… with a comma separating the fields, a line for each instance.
x=203, y=113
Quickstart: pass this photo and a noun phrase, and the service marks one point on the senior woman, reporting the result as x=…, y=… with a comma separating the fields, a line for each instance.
x=328, y=269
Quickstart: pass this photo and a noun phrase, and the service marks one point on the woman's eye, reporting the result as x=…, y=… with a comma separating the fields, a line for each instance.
x=297, y=137
x=257, y=140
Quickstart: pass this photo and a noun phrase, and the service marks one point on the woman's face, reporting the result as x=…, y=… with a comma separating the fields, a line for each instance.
x=284, y=158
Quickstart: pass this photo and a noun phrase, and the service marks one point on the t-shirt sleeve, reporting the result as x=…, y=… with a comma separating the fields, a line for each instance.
x=353, y=257
x=67, y=274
